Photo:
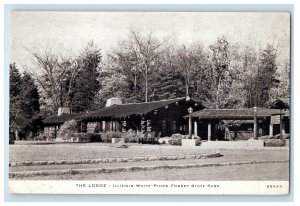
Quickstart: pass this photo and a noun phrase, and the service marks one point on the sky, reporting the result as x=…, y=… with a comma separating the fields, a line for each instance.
x=69, y=32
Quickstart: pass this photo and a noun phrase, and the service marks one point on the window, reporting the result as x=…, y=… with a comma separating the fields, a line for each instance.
x=174, y=126
x=163, y=125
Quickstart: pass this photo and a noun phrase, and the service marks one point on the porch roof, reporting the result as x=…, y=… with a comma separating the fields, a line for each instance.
x=279, y=104
x=245, y=113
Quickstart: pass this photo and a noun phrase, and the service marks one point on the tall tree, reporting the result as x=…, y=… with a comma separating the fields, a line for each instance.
x=265, y=75
x=86, y=83
x=140, y=56
x=199, y=82
x=236, y=97
x=220, y=75
x=183, y=60
x=281, y=84
x=168, y=84
x=115, y=82
x=55, y=75
x=14, y=99
x=250, y=63
x=30, y=106
x=24, y=104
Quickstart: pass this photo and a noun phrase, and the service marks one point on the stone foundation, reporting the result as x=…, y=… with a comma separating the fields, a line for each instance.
x=189, y=142
x=250, y=144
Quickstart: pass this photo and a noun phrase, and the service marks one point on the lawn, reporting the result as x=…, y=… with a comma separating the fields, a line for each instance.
x=100, y=150
x=265, y=171
x=269, y=172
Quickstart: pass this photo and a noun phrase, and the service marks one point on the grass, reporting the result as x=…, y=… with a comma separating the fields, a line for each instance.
x=225, y=158
x=100, y=150
x=272, y=171
x=266, y=171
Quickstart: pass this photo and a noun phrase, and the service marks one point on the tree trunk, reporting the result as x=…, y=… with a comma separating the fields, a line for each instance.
x=135, y=86
x=218, y=93
x=17, y=135
x=186, y=83
x=186, y=88
x=146, y=85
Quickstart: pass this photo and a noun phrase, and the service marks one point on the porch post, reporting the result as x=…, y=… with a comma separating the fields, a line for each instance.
x=103, y=126
x=55, y=131
x=271, y=130
x=196, y=128
x=143, y=128
x=190, y=127
x=111, y=125
x=149, y=130
x=216, y=132
x=48, y=133
x=124, y=124
x=255, y=123
x=209, y=132
x=281, y=126
x=114, y=126
x=190, y=110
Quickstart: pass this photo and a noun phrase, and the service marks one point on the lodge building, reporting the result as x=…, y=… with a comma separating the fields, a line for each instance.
x=176, y=116
x=158, y=118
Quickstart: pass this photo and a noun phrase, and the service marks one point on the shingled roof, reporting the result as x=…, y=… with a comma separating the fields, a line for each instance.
x=114, y=111
x=124, y=110
x=279, y=104
x=55, y=120
x=245, y=113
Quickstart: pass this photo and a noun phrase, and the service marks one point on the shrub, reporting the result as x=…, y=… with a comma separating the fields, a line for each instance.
x=175, y=141
x=197, y=137
x=84, y=137
x=131, y=136
x=41, y=137
x=179, y=136
x=198, y=141
x=284, y=136
x=105, y=137
x=128, y=137
x=277, y=136
x=115, y=134
x=265, y=137
x=67, y=130
x=274, y=143
x=286, y=142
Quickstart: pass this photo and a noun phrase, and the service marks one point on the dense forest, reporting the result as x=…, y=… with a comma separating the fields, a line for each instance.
x=142, y=68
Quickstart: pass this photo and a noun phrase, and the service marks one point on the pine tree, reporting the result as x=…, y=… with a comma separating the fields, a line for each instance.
x=265, y=75
x=24, y=104
x=14, y=101
x=220, y=74
x=169, y=84
x=29, y=106
x=86, y=84
x=15, y=81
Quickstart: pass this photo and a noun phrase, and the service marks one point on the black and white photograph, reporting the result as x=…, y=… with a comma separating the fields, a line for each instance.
x=149, y=102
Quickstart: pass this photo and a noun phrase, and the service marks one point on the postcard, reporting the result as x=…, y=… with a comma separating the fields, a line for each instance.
x=149, y=103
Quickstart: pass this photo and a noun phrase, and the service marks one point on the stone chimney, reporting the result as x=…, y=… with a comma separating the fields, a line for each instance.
x=113, y=101
x=63, y=110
